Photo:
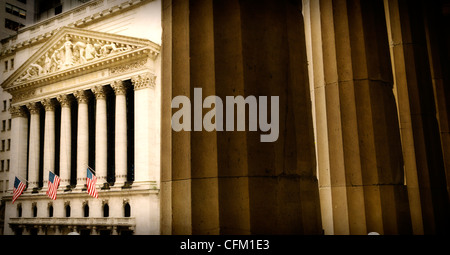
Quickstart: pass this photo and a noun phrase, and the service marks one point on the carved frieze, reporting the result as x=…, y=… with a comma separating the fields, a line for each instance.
x=71, y=52
x=128, y=67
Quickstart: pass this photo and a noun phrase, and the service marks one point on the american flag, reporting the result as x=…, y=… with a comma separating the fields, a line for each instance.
x=19, y=186
x=91, y=180
x=53, y=183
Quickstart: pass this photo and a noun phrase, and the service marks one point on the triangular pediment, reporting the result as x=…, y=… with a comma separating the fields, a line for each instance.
x=74, y=48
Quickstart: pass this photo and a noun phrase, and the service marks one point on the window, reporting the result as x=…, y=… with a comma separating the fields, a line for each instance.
x=126, y=210
x=6, y=65
x=86, y=210
x=8, y=147
x=12, y=66
x=7, y=165
x=50, y=210
x=13, y=25
x=19, y=210
x=34, y=210
x=2, y=168
x=58, y=9
x=3, y=125
x=105, y=210
x=1, y=186
x=16, y=11
x=67, y=210
x=9, y=124
x=4, y=105
x=3, y=145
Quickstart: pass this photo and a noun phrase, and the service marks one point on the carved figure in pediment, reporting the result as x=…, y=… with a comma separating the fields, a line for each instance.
x=31, y=72
x=68, y=54
x=56, y=61
x=90, y=50
x=47, y=64
x=80, y=48
x=110, y=49
x=38, y=68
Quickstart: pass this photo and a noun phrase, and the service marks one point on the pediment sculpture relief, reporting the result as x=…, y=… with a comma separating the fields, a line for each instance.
x=69, y=53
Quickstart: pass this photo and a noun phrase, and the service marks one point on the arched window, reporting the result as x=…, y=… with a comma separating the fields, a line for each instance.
x=67, y=210
x=50, y=211
x=105, y=210
x=126, y=210
x=34, y=210
x=86, y=210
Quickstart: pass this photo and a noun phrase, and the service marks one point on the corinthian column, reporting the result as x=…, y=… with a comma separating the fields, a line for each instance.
x=100, y=134
x=33, y=158
x=19, y=133
x=65, y=141
x=82, y=137
x=49, y=138
x=120, y=133
x=147, y=130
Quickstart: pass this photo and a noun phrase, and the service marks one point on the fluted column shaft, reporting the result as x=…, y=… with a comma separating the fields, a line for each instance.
x=49, y=139
x=65, y=141
x=19, y=133
x=33, y=158
x=120, y=133
x=358, y=140
x=82, y=137
x=100, y=135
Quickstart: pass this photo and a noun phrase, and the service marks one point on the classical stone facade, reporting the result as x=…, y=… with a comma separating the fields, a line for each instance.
x=87, y=98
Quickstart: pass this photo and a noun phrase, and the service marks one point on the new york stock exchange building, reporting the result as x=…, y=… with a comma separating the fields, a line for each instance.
x=362, y=88
x=87, y=95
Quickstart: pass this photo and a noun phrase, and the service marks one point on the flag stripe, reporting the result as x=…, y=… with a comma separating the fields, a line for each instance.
x=91, y=181
x=53, y=184
x=18, y=189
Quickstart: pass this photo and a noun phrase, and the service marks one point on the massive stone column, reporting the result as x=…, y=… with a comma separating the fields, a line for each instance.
x=65, y=141
x=418, y=104
x=147, y=131
x=358, y=142
x=120, y=133
x=437, y=30
x=19, y=145
x=222, y=182
x=100, y=135
x=82, y=137
x=33, y=149
x=49, y=139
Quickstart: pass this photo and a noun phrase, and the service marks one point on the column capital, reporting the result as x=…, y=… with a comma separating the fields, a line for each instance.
x=119, y=87
x=81, y=96
x=17, y=111
x=33, y=108
x=64, y=100
x=145, y=80
x=99, y=92
x=49, y=104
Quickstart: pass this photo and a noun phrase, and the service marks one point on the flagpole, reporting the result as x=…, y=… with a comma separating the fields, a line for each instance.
x=20, y=177
x=91, y=169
